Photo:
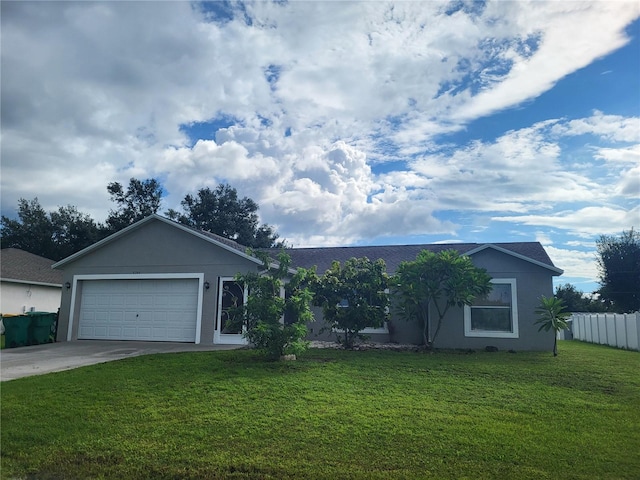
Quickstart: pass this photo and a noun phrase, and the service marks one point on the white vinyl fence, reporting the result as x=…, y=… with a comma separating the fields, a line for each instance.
x=620, y=330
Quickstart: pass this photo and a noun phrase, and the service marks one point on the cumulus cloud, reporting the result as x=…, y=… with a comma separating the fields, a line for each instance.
x=575, y=263
x=619, y=155
x=336, y=111
x=629, y=185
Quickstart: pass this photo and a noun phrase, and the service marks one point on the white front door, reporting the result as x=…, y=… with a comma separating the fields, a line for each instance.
x=229, y=327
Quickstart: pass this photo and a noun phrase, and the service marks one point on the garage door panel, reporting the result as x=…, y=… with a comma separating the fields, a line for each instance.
x=146, y=300
x=89, y=300
x=102, y=330
x=159, y=333
x=102, y=301
x=160, y=310
x=127, y=332
x=130, y=300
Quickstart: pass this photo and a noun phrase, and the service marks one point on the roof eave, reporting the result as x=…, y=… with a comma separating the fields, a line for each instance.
x=30, y=282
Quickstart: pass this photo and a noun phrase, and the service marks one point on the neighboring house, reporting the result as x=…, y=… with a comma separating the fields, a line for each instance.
x=161, y=281
x=27, y=283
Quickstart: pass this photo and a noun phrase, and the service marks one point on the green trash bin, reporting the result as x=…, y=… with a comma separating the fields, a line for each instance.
x=41, y=327
x=16, y=330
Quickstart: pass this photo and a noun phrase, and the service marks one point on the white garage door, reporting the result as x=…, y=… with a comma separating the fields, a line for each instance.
x=162, y=310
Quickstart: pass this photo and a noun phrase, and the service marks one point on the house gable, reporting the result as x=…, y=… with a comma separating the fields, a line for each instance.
x=544, y=261
x=155, y=281
x=224, y=244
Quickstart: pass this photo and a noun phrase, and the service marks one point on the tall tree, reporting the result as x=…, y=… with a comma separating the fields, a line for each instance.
x=618, y=261
x=141, y=199
x=32, y=232
x=444, y=280
x=73, y=230
x=353, y=297
x=222, y=212
x=53, y=235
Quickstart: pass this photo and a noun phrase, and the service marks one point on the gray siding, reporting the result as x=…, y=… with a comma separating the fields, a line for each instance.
x=532, y=282
x=155, y=247
x=159, y=247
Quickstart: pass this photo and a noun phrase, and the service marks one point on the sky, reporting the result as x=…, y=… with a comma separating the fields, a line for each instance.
x=349, y=123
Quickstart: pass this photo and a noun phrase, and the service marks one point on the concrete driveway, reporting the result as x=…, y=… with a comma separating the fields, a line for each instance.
x=55, y=357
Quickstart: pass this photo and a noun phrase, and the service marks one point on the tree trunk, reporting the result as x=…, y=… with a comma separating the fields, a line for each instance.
x=425, y=328
x=555, y=345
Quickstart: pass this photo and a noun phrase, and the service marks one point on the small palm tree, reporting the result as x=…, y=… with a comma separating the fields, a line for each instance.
x=552, y=317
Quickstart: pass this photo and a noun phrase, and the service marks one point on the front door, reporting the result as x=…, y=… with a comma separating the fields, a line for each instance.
x=229, y=328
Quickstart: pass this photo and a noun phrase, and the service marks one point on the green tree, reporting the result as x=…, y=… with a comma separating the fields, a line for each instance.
x=276, y=324
x=577, y=301
x=31, y=232
x=141, y=199
x=441, y=280
x=222, y=212
x=552, y=317
x=73, y=230
x=618, y=261
x=353, y=297
x=53, y=235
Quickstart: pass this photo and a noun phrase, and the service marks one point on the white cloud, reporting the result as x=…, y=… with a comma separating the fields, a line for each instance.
x=609, y=127
x=543, y=238
x=519, y=171
x=581, y=243
x=629, y=184
x=619, y=155
x=564, y=47
x=97, y=92
x=575, y=263
x=585, y=221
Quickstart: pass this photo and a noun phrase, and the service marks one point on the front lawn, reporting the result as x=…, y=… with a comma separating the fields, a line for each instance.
x=331, y=414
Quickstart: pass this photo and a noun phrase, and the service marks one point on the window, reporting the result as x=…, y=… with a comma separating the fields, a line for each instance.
x=344, y=303
x=495, y=315
x=383, y=329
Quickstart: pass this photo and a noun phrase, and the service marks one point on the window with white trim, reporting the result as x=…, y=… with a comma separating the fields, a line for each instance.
x=344, y=303
x=495, y=315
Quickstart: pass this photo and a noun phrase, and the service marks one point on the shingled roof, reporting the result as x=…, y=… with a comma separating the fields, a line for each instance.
x=393, y=255
x=213, y=236
x=24, y=267
x=322, y=257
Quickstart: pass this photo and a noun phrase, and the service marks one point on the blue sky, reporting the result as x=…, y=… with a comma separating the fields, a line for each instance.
x=349, y=123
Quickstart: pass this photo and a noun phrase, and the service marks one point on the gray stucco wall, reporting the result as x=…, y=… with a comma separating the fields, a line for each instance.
x=532, y=282
x=155, y=247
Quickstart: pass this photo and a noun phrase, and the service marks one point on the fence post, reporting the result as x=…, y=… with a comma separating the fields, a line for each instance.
x=636, y=320
x=626, y=333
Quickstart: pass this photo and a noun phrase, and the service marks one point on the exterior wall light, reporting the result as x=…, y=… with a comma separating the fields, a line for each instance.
x=67, y=285
x=207, y=285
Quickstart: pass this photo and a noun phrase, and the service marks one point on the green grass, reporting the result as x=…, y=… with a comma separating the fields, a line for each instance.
x=331, y=414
